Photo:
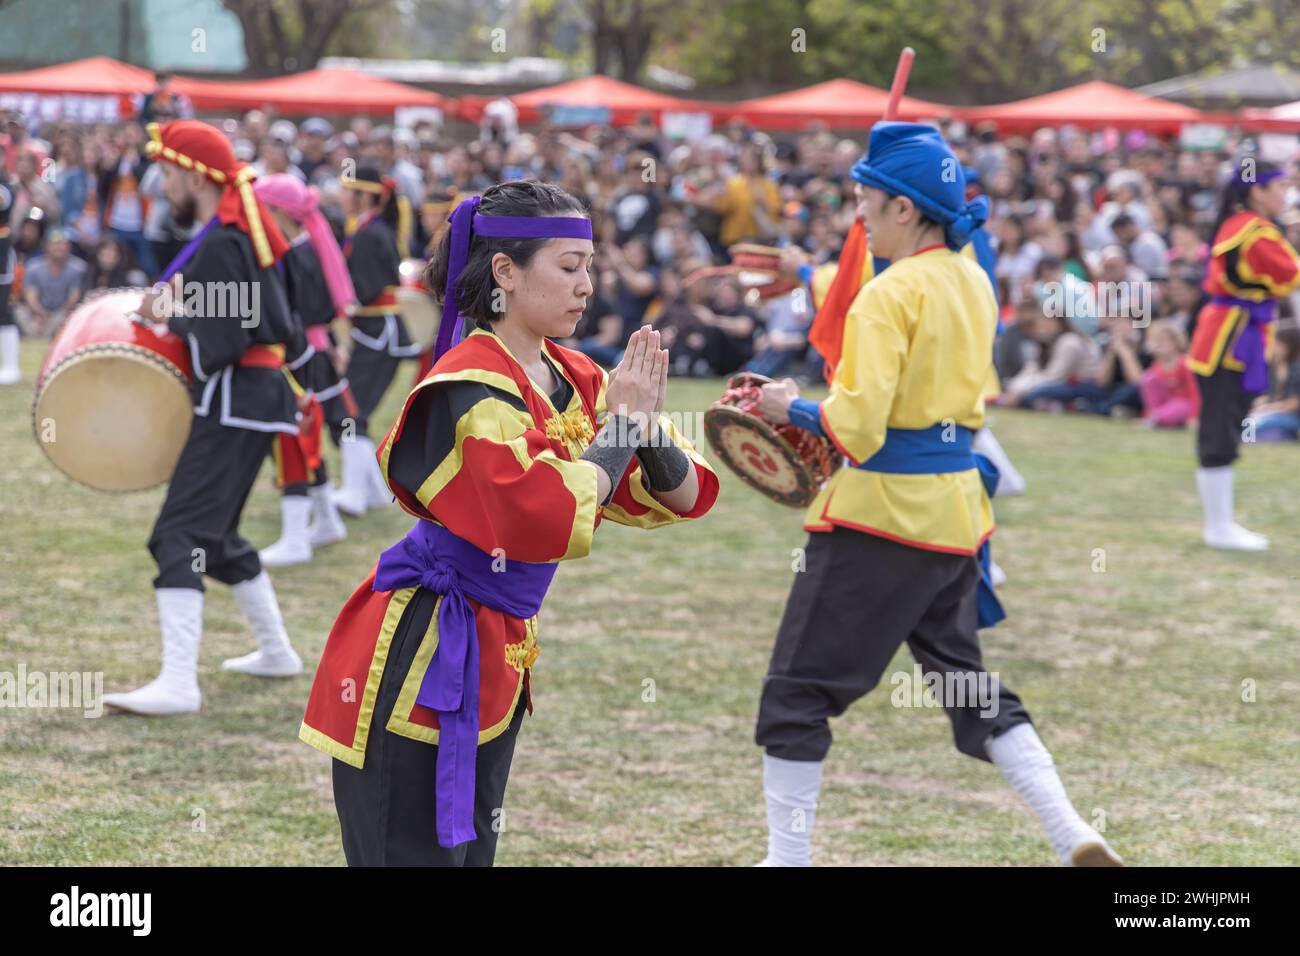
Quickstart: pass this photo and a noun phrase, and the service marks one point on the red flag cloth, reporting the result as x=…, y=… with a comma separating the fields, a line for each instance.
x=827, y=333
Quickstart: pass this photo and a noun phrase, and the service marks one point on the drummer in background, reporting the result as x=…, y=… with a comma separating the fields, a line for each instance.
x=9, y=372
x=379, y=336
x=242, y=399
x=898, y=550
x=318, y=288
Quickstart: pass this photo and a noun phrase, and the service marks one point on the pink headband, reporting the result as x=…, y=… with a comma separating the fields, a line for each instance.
x=299, y=202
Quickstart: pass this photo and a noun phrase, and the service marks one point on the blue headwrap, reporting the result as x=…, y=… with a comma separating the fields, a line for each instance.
x=912, y=160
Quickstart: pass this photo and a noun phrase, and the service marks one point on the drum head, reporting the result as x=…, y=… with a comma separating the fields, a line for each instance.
x=113, y=417
x=763, y=459
x=420, y=314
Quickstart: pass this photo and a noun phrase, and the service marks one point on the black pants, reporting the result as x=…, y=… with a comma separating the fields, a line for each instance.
x=197, y=531
x=370, y=370
x=1224, y=407
x=387, y=809
x=859, y=598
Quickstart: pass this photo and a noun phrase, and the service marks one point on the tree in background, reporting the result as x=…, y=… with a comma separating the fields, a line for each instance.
x=287, y=36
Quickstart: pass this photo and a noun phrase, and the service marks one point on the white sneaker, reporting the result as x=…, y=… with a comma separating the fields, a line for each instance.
x=327, y=524
x=176, y=689
x=275, y=656
x=294, y=546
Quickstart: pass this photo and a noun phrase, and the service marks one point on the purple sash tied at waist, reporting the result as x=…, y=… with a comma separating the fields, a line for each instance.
x=433, y=558
x=1249, y=349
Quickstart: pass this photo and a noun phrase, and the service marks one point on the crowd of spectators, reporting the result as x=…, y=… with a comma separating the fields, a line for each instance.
x=1101, y=238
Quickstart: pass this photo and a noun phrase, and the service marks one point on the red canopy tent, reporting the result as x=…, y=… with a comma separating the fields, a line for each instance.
x=96, y=74
x=837, y=103
x=97, y=89
x=624, y=100
x=1092, y=105
x=313, y=92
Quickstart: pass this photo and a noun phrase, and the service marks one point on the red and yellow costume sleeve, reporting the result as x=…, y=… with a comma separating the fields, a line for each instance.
x=1250, y=259
x=511, y=481
x=504, y=485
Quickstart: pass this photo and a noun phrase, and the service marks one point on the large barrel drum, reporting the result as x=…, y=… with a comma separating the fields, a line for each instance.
x=113, y=406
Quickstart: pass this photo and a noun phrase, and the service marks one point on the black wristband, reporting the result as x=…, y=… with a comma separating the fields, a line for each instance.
x=664, y=465
x=613, y=448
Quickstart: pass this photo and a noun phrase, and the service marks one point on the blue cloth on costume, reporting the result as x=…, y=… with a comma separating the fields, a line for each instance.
x=912, y=160
x=937, y=450
x=806, y=414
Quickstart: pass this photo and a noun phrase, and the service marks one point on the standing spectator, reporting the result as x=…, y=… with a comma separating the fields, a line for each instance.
x=636, y=205
x=750, y=203
x=33, y=192
x=124, y=205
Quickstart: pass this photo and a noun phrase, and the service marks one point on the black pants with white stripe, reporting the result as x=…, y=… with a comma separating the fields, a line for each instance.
x=197, y=531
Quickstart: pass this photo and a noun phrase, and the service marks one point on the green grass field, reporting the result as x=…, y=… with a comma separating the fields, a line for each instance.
x=1134, y=675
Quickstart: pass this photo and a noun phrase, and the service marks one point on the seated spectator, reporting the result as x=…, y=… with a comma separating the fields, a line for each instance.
x=1277, y=417
x=1066, y=358
x=1145, y=248
x=108, y=268
x=1182, y=297
x=787, y=319
x=1170, y=396
x=1116, y=387
x=723, y=340
x=52, y=284
x=1015, y=347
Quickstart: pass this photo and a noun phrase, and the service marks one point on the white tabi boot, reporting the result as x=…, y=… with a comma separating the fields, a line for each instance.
x=9, y=371
x=275, y=656
x=294, y=546
x=790, y=788
x=326, y=523
x=1028, y=767
x=381, y=496
x=354, y=493
x=176, y=689
x=1215, y=488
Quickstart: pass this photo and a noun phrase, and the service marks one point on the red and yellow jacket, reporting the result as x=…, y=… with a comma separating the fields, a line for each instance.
x=1250, y=259
x=511, y=481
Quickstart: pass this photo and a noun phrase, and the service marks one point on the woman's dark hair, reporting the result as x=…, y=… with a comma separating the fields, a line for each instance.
x=1237, y=193
x=516, y=197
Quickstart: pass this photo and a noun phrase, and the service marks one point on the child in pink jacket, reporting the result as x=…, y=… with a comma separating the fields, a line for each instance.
x=1170, y=398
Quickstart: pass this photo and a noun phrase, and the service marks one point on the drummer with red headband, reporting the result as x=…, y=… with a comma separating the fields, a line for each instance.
x=898, y=550
x=379, y=336
x=222, y=296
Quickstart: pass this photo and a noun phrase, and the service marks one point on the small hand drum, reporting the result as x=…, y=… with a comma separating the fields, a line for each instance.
x=784, y=462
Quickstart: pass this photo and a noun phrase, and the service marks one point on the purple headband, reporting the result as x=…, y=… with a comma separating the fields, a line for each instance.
x=464, y=222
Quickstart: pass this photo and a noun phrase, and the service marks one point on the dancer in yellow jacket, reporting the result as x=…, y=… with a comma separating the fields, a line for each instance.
x=898, y=550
